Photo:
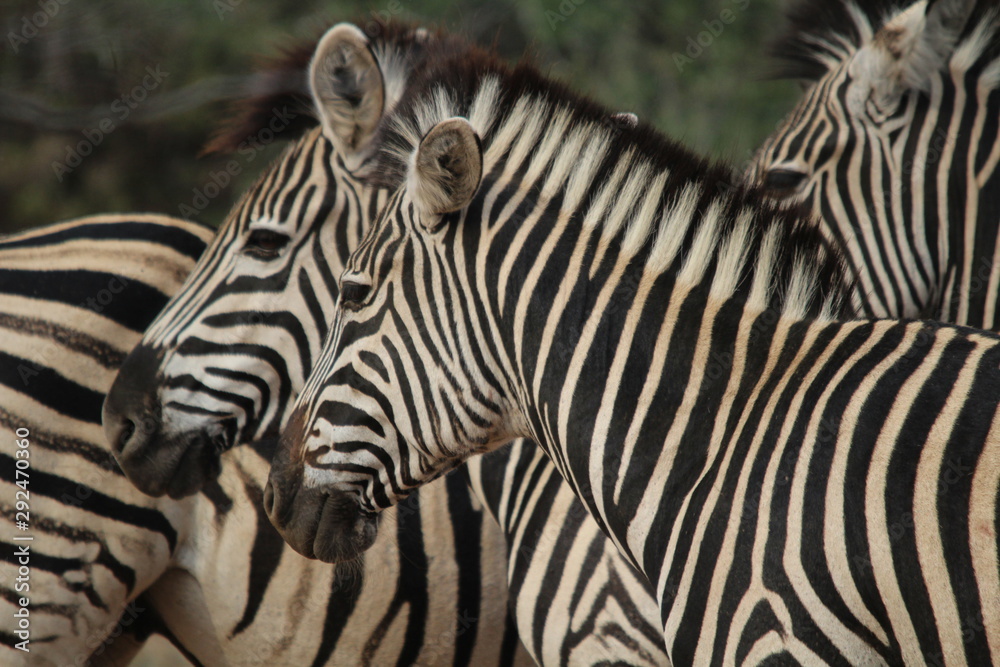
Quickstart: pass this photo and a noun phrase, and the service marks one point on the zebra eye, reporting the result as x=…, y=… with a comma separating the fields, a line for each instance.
x=783, y=181
x=265, y=243
x=352, y=294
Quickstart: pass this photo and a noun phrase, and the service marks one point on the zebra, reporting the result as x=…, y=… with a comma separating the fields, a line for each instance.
x=209, y=571
x=236, y=344
x=79, y=543
x=786, y=475
x=895, y=147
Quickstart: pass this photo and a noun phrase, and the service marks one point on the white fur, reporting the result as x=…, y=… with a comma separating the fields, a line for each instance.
x=672, y=229
x=706, y=241
x=638, y=230
x=801, y=287
x=732, y=257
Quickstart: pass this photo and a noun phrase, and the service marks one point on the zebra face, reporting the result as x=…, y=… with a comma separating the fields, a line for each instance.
x=818, y=158
x=407, y=385
x=224, y=360
x=861, y=149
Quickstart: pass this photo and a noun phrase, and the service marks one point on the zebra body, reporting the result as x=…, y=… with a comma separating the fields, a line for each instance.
x=237, y=343
x=797, y=485
x=74, y=298
x=212, y=573
x=895, y=146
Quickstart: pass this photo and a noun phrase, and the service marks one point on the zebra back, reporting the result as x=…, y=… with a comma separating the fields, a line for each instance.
x=74, y=299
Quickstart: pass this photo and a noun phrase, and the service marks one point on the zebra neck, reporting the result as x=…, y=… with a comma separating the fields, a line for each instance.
x=631, y=375
x=970, y=200
x=608, y=303
x=948, y=205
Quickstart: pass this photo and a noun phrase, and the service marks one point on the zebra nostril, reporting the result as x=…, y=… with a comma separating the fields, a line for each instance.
x=126, y=433
x=268, y=498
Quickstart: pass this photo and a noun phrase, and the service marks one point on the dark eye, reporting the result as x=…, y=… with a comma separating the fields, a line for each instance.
x=783, y=181
x=265, y=243
x=352, y=294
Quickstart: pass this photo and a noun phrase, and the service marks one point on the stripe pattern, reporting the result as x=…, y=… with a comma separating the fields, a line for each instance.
x=798, y=485
x=895, y=147
x=212, y=573
x=235, y=346
x=68, y=321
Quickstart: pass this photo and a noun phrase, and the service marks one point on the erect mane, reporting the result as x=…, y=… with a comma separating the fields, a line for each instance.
x=502, y=101
x=459, y=77
x=822, y=32
x=281, y=81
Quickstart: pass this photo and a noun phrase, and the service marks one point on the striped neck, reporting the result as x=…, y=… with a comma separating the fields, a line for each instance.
x=605, y=252
x=956, y=199
x=570, y=305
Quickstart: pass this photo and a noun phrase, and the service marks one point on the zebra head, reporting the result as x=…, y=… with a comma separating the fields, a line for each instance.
x=223, y=361
x=875, y=135
x=409, y=384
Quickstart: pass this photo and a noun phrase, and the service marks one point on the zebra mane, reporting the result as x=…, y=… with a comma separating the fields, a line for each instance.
x=825, y=33
x=658, y=200
x=281, y=84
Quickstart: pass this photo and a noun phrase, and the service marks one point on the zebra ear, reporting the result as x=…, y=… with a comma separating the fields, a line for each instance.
x=625, y=119
x=914, y=44
x=446, y=170
x=347, y=88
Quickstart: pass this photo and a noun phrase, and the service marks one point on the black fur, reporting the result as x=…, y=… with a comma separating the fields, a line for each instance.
x=281, y=83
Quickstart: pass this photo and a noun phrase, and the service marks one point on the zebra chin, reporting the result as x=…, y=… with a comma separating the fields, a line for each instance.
x=156, y=462
x=326, y=525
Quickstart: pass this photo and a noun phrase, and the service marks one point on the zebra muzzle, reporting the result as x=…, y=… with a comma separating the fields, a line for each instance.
x=155, y=461
x=327, y=525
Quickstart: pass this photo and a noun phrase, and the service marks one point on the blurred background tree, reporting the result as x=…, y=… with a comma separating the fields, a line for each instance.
x=77, y=76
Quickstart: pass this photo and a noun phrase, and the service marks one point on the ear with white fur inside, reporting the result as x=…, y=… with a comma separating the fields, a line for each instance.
x=347, y=89
x=912, y=46
x=446, y=170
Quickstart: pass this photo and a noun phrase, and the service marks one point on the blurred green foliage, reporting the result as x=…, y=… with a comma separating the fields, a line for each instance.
x=694, y=68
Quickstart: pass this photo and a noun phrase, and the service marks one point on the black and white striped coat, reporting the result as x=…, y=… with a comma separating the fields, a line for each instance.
x=228, y=355
x=799, y=486
x=74, y=298
x=209, y=570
